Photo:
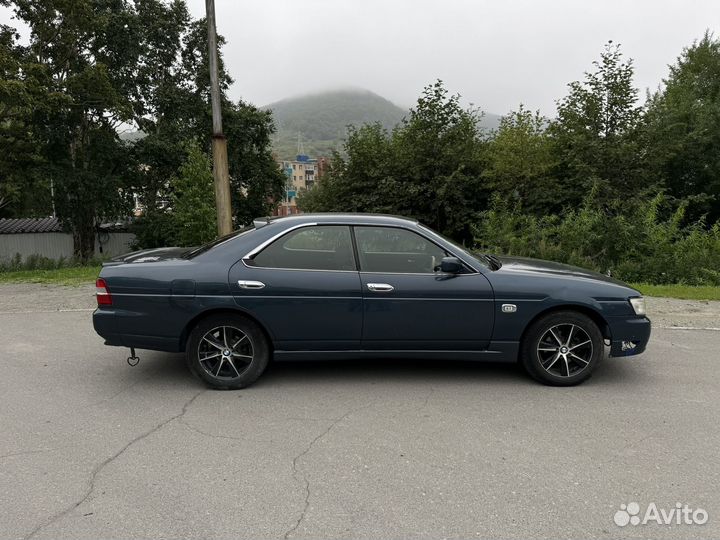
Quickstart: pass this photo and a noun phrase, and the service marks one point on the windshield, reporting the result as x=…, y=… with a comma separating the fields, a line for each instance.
x=207, y=247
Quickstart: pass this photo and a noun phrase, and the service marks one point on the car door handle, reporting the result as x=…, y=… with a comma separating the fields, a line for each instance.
x=250, y=284
x=380, y=287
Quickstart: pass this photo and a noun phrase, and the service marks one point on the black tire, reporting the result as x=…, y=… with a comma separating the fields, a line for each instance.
x=565, y=367
x=246, y=361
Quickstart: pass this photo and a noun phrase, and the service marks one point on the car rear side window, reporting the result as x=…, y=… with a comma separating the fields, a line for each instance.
x=322, y=247
x=393, y=250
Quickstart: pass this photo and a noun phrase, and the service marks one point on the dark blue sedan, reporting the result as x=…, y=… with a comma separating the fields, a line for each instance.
x=358, y=286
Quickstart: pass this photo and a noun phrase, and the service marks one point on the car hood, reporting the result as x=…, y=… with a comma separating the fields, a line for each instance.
x=538, y=266
x=149, y=255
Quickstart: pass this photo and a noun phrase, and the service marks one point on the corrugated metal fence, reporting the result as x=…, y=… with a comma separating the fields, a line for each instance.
x=45, y=237
x=54, y=245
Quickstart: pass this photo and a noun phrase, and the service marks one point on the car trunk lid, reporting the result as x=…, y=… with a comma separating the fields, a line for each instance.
x=148, y=255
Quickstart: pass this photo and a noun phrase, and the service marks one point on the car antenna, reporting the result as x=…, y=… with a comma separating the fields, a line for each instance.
x=261, y=222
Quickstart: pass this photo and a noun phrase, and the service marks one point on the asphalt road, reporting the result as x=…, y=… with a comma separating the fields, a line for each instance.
x=92, y=448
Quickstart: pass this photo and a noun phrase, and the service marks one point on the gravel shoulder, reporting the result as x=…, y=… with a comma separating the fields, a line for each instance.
x=671, y=313
x=25, y=297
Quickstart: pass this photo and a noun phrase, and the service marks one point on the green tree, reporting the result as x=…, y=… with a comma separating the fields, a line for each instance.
x=166, y=107
x=175, y=106
x=193, y=214
x=519, y=160
x=93, y=69
x=682, y=131
x=255, y=177
x=595, y=133
x=357, y=181
x=23, y=192
x=438, y=151
x=76, y=51
x=429, y=167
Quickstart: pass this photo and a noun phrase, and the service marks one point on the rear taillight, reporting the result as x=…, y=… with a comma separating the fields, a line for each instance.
x=102, y=293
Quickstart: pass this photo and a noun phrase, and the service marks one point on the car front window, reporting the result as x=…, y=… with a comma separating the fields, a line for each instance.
x=395, y=250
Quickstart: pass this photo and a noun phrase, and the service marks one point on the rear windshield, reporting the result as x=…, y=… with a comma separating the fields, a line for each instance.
x=207, y=247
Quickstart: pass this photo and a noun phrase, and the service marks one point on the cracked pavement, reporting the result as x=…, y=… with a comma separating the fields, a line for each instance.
x=92, y=448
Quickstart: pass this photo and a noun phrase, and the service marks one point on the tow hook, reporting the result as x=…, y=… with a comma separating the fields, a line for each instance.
x=132, y=360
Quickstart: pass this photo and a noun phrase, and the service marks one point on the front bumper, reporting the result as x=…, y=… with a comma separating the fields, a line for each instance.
x=628, y=335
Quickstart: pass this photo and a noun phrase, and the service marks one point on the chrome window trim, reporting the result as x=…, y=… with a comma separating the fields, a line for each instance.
x=420, y=233
x=257, y=249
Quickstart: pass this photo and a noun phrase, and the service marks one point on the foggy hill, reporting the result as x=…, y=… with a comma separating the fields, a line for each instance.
x=321, y=119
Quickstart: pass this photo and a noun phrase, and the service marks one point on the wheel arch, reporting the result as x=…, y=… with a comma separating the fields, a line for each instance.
x=185, y=334
x=593, y=314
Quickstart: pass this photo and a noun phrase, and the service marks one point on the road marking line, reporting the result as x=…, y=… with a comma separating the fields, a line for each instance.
x=711, y=328
x=68, y=310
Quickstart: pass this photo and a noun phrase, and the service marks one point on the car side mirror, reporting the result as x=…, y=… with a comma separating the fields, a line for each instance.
x=450, y=265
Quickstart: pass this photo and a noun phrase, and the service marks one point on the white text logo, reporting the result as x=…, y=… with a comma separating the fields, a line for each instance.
x=680, y=514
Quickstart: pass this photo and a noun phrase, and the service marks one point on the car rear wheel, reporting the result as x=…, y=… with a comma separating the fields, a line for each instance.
x=562, y=348
x=227, y=351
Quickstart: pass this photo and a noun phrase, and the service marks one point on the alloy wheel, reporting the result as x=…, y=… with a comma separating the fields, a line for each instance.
x=565, y=350
x=225, y=352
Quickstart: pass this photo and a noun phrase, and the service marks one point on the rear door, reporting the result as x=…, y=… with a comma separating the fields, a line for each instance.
x=409, y=306
x=305, y=288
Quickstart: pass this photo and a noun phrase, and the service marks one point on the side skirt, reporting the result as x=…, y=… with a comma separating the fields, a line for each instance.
x=505, y=351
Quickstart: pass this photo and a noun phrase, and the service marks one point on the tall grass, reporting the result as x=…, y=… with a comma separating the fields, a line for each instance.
x=38, y=262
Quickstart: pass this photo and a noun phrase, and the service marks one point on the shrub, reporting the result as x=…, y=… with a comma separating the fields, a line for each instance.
x=640, y=242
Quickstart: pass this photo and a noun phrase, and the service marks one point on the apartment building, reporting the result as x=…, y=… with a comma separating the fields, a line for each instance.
x=301, y=174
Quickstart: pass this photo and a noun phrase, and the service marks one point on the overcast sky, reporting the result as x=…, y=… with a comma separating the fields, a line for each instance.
x=496, y=54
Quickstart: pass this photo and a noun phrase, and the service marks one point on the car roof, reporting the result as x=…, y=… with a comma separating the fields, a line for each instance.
x=337, y=217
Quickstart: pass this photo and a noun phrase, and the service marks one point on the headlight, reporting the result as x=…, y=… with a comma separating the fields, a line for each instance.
x=638, y=305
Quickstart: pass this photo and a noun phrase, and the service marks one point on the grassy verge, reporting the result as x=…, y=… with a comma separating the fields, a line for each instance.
x=74, y=275
x=684, y=292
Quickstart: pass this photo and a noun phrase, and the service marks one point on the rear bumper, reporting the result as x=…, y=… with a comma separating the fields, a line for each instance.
x=105, y=322
x=629, y=335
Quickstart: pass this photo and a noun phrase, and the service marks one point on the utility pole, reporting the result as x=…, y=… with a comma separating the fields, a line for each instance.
x=219, y=143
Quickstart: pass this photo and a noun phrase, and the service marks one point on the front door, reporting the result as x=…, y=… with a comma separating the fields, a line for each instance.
x=304, y=287
x=409, y=306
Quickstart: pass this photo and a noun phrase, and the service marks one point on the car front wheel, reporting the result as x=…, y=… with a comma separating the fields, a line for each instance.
x=227, y=351
x=562, y=348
